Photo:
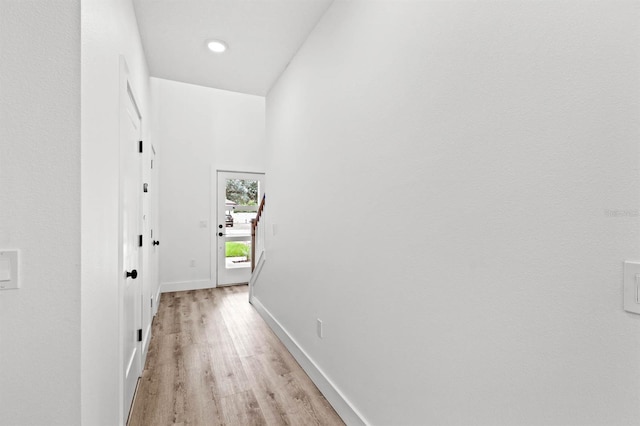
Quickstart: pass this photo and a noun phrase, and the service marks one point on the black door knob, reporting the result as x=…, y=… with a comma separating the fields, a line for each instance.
x=220, y=234
x=133, y=274
x=156, y=243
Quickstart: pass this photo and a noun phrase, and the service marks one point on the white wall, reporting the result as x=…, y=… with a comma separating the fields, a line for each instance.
x=509, y=128
x=109, y=29
x=40, y=211
x=199, y=130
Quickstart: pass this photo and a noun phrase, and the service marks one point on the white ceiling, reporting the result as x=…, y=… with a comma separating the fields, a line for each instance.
x=262, y=35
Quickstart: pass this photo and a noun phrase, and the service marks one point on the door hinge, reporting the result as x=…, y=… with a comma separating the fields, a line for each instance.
x=140, y=147
x=152, y=302
x=139, y=240
x=139, y=335
x=145, y=187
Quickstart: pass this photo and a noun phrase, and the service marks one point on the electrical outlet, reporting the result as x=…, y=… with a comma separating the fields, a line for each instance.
x=319, y=328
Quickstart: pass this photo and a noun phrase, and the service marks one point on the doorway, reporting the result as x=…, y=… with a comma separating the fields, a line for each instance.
x=238, y=198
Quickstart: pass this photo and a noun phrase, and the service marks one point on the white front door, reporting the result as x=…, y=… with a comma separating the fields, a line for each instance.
x=131, y=190
x=238, y=197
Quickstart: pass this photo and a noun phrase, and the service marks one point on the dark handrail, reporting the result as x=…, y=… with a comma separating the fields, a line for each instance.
x=254, y=224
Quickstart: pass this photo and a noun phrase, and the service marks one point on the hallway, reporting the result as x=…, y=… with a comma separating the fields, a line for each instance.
x=212, y=361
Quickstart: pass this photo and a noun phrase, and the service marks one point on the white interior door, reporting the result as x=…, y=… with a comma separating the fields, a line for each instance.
x=148, y=245
x=131, y=190
x=154, y=251
x=238, y=197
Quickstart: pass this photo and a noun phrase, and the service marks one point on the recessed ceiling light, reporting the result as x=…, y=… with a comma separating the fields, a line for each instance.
x=217, y=46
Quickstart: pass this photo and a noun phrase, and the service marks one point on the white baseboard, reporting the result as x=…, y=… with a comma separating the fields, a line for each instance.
x=186, y=285
x=156, y=301
x=145, y=342
x=342, y=406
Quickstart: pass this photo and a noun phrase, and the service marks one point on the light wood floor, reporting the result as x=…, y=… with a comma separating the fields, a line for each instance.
x=213, y=361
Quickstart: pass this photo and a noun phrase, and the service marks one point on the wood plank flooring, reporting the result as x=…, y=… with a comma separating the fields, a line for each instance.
x=213, y=361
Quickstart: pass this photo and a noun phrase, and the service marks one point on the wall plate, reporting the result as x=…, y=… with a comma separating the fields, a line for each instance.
x=632, y=287
x=9, y=269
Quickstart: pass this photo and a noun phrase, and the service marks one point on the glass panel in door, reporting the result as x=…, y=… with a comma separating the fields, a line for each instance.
x=238, y=200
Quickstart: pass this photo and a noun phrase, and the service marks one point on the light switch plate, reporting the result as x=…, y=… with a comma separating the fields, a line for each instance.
x=5, y=270
x=9, y=269
x=632, y=287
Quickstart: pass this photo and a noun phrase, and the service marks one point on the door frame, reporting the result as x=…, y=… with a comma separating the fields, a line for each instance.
x=126, y=91
x=154, y=249
x=148, y=250
x=213, y=219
